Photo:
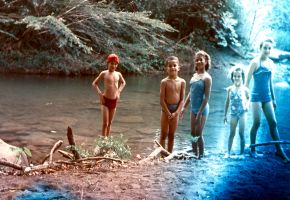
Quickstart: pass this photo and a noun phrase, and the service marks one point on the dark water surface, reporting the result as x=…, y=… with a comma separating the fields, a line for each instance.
x=36, y=110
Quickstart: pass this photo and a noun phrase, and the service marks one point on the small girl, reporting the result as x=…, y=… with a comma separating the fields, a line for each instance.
x=238, y=100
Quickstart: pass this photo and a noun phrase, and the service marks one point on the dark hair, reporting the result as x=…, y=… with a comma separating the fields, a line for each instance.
x=266, y=40
x=238, y=69
x=206, y=57
x=170, y=58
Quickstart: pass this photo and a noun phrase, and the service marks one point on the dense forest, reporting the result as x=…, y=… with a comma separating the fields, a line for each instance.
x=73, y=37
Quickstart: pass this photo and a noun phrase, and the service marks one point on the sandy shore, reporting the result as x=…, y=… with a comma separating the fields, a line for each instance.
x=213, y=177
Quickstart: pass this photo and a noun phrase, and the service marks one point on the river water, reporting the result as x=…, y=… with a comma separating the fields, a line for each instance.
x=35, y=112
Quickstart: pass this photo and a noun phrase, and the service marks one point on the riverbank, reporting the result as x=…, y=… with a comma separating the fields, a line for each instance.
x=213, y=177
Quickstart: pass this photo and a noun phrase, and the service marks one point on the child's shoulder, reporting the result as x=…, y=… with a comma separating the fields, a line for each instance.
x=181, y=79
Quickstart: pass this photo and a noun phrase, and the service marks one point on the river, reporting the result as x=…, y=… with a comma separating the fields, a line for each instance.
x=35, y=112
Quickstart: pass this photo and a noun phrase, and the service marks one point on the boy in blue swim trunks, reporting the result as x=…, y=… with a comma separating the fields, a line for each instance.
x=172, y=91
x=114, y=83
x=238, y=100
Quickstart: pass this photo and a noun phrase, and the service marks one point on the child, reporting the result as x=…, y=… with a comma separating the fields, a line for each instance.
x=172, y=91
x=238, y=100
x=263, y=97
x=114, y=83
x=200, y=89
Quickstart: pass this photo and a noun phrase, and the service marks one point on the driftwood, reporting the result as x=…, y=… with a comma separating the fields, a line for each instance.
x=54, y=148
x=155, y=153
x=9, y=164
x=72, y=143
x=270, y=143
x=66, y=154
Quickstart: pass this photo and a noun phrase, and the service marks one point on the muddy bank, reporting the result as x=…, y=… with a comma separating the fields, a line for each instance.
x=213, y=177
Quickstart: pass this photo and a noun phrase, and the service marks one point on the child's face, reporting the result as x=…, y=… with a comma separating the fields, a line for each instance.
x=112, y=66
x=237, y=77
x=172, y=67
x=200, y=61
x=266, y=48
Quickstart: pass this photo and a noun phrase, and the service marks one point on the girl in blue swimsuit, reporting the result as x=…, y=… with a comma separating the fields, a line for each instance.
x=262, y=96
x=238, y=102
x=198, y=96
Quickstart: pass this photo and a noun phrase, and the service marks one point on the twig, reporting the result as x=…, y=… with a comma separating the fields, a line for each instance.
x=163, y=150
x=9, y=164
x=54, y=148
x=48, y=155
x=66, y=154
x=270, y=143
x=99, y=158
x=72, y=8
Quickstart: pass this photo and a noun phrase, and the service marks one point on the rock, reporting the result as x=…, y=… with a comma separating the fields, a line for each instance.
x=12, y=154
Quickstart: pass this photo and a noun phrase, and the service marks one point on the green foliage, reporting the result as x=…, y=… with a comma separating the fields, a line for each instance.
x=22, y=150
x=82, y=151
x=115, y=144
x=210, y=18
x=65, y=37
x=76, y=28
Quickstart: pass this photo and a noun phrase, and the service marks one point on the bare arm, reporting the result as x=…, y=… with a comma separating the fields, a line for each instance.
x=182, y=96
x=227, y=103
x=122, y=84
x=272, y=92
x=162, y=98
x=96, y=82
x=253, y=66
x=208, y=83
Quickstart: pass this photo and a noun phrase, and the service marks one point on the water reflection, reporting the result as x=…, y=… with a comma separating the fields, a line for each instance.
x=36, y=110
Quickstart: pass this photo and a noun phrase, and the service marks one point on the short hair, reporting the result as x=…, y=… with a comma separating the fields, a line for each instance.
x=270, y=40
x=207, y=59
x=171, y=58
x=235, y=69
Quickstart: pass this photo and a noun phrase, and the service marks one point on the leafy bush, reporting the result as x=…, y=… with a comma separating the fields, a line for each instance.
x=116, y=144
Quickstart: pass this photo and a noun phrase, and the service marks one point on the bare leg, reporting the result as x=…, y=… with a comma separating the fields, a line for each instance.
x=271, y=119
x=256, y=124
x=193, y=132
x=233, y=126
x=172, y=128
x=111, y=117
x=242, y=132
x=164, y=129
x=105, y=114
x=200, y=141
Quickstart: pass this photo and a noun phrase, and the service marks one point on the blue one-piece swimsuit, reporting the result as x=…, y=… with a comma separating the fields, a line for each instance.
x=197, y=96
x=238, y=106
x=261, y=88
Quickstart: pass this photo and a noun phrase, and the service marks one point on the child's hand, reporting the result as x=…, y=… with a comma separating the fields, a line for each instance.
x=181, y=113
x=225, y=120
x=102, y=100
x=172, y=115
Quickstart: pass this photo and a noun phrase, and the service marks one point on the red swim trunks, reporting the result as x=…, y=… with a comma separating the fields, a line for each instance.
x=110, y=103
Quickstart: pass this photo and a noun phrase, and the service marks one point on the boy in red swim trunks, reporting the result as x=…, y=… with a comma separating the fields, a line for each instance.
x=114, y=83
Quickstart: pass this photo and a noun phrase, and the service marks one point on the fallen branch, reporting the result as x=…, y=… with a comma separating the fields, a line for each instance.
x=155, y=153
x=72, y=143
x=54, y=149
x=9, y=164
x=98, y=158
x=66, y=154
x=270, y=143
